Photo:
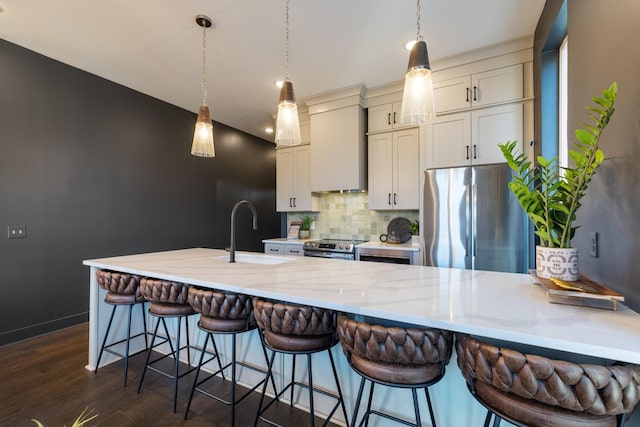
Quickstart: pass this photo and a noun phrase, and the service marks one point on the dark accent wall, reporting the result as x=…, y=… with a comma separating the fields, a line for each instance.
x=94, y=169
x=602, y=49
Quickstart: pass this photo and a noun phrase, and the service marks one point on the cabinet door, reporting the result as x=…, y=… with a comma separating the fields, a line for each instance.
x=493, y=126
x=284, y=179
x=380, y=118
x=381, y=171
x=302, y=179
x=448, y=144
x=339, y=154
x=500, y=85
x=452, y=94
x=406, y=165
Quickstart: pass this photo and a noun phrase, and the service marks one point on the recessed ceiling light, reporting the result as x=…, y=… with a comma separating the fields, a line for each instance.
x=268, y=130
x=278, y=83
x=408, y=45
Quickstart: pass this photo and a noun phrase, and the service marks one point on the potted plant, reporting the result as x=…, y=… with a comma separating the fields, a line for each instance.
x=551, y=195
x=305, y=226
x=414, y=229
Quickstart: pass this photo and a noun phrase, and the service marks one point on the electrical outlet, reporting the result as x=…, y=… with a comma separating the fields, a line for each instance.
x=593, y=244
x=17, y=232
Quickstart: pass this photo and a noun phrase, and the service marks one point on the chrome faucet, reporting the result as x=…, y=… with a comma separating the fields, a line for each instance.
x=232, y=247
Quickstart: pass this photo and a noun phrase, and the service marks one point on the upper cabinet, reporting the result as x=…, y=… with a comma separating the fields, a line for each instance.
x=338, y=145
x=467, y=138
x=293, y=193
x=394, y=170
x=385, y=117
x=486, y=88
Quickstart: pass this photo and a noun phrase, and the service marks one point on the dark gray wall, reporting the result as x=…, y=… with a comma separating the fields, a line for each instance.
x=603, y=48
x=94, y=169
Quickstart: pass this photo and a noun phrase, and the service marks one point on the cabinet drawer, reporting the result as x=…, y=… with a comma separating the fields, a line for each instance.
x=273, y=248
x=295, y=250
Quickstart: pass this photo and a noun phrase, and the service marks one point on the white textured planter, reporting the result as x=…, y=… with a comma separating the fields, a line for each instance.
x=303, y=234
x=557, y=263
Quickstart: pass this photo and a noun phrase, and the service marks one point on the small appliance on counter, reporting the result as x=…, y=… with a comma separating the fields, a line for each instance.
x=332, y=248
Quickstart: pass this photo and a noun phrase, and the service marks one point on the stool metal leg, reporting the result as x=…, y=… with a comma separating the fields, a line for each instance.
x=293, y=372
x=415, y=406
x=335, y=376
x=433, y=418
x=365, y=420
x=357, y=408
x=195, y=380
x=146, y=362
x=106, y=335
x=264, y=388
x=126, y=351
x=312, y=414
x=177, y=366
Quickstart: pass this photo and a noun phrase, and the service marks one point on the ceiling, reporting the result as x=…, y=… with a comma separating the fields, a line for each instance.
x=154, y=46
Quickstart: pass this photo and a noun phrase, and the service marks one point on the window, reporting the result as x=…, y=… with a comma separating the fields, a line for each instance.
x=563, y=95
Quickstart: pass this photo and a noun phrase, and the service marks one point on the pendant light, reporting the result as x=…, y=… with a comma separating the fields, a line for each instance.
x=287, y=123
x=203, y=136
x=417, y=99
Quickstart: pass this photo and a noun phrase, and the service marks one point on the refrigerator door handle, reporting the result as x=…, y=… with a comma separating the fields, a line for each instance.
x=474, y=223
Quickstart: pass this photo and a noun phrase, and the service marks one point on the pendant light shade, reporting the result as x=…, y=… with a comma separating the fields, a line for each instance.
x=202, y=145
x=417, y=99
x=287, y=124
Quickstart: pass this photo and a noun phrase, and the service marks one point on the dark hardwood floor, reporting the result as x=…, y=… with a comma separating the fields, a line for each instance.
x=45, y=378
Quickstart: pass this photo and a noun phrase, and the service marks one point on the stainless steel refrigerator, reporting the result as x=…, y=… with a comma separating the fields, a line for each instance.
x=473, y=221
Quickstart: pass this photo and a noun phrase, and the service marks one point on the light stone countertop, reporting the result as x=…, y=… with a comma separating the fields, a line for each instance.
x=497, y=305
x=286, y=241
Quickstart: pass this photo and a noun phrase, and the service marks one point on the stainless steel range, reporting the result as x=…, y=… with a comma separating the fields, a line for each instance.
x=332, y=248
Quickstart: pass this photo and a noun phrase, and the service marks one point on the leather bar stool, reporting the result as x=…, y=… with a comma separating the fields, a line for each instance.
x=122, y=291
x=168, y=301
x=533, y=390
x=223, y=313
x=394, y=356
x=297, y=330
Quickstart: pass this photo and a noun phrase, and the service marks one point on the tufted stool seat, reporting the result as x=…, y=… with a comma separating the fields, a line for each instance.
x=394, y=356
x=123, y=289
x=167, y=300
x=223, y=313
x=531, y=390
x=297, y=330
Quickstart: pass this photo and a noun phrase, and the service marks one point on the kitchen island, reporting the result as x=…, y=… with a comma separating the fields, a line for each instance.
x=503, y=306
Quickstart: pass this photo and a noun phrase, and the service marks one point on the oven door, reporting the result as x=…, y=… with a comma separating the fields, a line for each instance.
x=326, y=254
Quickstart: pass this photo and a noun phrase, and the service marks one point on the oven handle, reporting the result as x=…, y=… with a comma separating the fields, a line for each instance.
x=329, y=255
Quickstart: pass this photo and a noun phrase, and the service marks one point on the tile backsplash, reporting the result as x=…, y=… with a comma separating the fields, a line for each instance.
x=347, y=216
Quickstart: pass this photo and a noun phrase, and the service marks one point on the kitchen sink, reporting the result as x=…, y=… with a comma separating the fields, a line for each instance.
x=258, y=259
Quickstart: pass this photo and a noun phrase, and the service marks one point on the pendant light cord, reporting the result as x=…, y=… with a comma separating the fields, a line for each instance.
x=418, y=19
x=286, y=44
x=204, y=61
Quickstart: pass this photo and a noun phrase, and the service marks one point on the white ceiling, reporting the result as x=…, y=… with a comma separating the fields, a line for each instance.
x=154, y=46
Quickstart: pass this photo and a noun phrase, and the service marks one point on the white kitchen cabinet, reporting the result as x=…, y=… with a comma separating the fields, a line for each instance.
x=394, y=170
x=338, y=150
x=462, y=139
x=293, y=192
x=496, y=86
x=385, y=117
x=284, y=247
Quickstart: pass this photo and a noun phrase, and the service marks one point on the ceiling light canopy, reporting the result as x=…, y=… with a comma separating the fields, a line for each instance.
x=417, y=99
x=287, y=123
x=202, y=145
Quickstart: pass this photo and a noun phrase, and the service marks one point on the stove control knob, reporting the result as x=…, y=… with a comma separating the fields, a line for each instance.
x=341, y=246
